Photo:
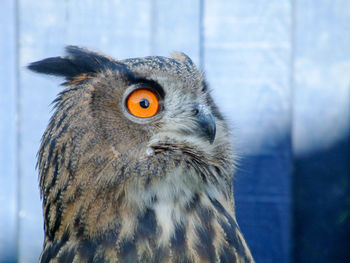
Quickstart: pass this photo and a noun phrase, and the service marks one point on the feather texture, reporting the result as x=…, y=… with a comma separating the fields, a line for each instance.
x=117, y=188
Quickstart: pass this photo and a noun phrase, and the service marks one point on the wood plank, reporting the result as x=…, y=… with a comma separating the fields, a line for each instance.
x=321, y=131
x=176, y=27
x=247, y=54
x=8, y=133
x=109, y=26
x=40, y=36
x=118, y=28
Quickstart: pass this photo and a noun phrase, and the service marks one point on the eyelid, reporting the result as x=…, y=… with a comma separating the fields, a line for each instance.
x=153, y=85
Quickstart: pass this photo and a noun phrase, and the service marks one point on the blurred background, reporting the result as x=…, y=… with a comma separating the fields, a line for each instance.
x=279, y=71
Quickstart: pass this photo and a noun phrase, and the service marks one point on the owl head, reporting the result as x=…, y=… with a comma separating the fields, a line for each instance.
x=123, y=126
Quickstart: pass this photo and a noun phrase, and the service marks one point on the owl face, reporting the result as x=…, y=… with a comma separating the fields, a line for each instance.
x=153, y=99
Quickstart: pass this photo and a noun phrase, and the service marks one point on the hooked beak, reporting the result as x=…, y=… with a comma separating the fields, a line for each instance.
x=206, y=123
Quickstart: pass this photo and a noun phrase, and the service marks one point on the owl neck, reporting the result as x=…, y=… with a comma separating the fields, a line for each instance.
x=118, y=205
x=176, y=212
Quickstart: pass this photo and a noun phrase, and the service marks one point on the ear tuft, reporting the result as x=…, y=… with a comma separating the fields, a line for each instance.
x=182, y=57
x=78, y=61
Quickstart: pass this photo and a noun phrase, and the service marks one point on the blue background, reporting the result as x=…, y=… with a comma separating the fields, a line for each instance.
x=279, y=70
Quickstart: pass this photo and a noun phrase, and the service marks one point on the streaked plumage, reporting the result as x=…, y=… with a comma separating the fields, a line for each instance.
x=118, y=188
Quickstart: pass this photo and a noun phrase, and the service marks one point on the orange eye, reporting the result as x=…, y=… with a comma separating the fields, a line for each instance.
x=142, y=103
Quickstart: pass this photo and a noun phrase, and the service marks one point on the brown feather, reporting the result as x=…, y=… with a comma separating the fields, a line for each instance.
x=117, y=188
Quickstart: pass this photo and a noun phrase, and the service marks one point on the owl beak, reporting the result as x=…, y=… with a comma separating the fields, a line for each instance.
x=206, y=124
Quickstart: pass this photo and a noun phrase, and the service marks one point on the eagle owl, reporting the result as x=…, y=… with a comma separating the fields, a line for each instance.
x=136, y=164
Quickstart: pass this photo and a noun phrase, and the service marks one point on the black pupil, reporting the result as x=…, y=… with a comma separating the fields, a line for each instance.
x=144, y=103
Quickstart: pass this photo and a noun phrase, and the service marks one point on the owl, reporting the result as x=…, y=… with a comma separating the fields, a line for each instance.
x=136, y=164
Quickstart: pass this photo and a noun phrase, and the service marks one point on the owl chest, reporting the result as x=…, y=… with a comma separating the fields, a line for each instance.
x=196, y=232
x=169, y=232
x=178, y=224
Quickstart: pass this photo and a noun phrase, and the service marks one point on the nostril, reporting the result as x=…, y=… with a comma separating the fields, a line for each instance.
x=195, y=111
